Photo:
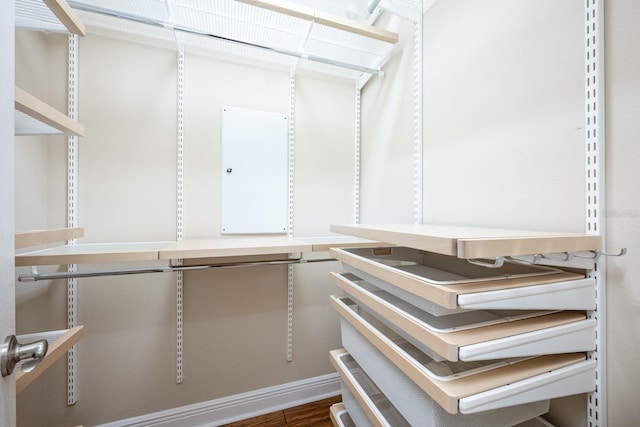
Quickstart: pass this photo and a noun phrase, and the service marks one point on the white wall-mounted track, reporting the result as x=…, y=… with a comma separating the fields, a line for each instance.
x=292, y=158
x=72, y=211
x=356, y=167
x=417, y=117
x=595, y=192
x=179, y=211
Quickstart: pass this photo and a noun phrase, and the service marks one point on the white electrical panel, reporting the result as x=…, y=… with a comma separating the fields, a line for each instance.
x=254, y=171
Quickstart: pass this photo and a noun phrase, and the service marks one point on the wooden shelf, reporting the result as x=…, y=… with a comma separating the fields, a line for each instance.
x=233, y=246
x=323, y=244
x=472, y=242
x=224, y=247
x=322, y=18
x=489, y=294
x=48, y=15
x=42, y=113
x=66, y=15
x=90, y=253
x=27, y=239
x=335, y=411
x=59, y=343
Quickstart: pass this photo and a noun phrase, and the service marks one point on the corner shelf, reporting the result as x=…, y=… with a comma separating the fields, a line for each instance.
x=67, y=17
x=44, y=118
x=48, y=15
x=33, y=116
x=27, y=239
x=59, y=342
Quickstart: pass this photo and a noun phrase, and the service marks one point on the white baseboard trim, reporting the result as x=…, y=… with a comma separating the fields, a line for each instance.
x=240, y=406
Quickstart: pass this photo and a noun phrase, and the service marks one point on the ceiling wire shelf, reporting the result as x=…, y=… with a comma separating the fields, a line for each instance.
x=259, y=32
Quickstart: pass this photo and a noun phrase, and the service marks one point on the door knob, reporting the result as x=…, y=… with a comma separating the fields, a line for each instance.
x=12, y=352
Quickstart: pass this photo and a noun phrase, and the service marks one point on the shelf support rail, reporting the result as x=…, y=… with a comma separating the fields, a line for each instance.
x=357, y=154
x=72, y=214
x=291, y=210
x=595, y=194
x=179, y=211
x=417, y=117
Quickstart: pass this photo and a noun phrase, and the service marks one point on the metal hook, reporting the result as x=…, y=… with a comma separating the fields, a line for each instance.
x=567, y=257
x=594, y=255
x=497, y=262
x=598, y=253
x=622, y=252
x=534, y=260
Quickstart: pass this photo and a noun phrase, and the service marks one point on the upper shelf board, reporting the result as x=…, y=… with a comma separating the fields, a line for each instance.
x=41, y=237
x=184, y=249
x=472, y=242
x=89, y=253
x=44, y=113
x=48, y=15
x=236, y=246
x=322, y=18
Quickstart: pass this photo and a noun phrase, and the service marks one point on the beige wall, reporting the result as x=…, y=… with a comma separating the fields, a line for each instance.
x=503, y=114
x=623, y=208
x=234, y=320
x=386, y=180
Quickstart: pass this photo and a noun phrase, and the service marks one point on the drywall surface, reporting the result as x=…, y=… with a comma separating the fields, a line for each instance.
x=504, y=114
x=235, y=321
x=387, y=136
x=623, y=209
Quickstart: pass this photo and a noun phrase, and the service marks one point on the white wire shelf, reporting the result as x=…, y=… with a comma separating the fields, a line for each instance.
x=275, y=32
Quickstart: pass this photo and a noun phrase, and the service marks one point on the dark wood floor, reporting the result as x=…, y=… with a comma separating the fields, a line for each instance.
x=314, y=414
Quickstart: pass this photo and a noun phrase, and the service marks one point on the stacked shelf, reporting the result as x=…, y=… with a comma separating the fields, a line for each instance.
x=35, y=117
x=443, y=340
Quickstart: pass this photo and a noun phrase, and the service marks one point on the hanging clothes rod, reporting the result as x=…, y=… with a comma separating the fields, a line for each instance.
x=188, y=30
x=36, y=276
